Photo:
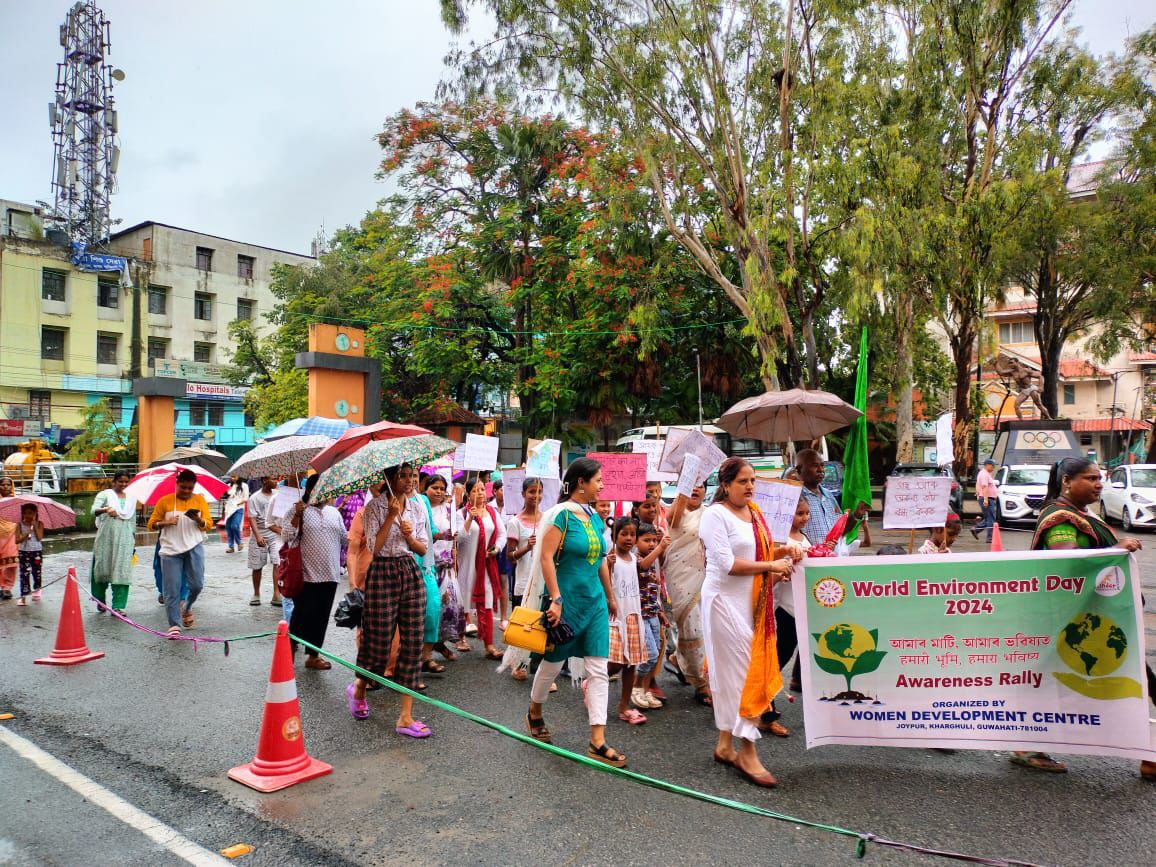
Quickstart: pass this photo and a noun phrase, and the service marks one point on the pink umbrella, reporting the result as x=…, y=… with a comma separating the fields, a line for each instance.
x=52, y=515
x=356, y=437
x=150, y=485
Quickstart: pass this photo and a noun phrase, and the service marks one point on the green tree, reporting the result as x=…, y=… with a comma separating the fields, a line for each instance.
x=103, y=435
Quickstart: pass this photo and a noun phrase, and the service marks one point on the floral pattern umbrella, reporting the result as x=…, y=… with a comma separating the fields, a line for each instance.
x=280, y=457
x=366, y=466
x=356, y=437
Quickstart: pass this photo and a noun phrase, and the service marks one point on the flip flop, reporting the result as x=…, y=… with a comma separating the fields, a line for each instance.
x=358, y=707
x=431, y=667
x=416, y=729
x=1039, y=762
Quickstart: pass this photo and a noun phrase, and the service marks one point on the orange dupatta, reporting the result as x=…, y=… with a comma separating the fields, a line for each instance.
x=764, y=679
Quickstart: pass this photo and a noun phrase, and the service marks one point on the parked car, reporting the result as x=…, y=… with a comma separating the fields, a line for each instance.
x=956, y=498
x=1022, y=491
x=1130, y=496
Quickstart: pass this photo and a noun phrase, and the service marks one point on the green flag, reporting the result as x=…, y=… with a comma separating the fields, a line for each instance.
x=857, y=477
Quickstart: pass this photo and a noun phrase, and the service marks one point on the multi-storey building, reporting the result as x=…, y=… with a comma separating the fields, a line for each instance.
x=69, y=337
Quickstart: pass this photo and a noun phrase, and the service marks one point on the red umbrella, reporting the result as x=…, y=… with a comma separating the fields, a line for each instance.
x=52, y=515
x=356, y=437
x=150, y=485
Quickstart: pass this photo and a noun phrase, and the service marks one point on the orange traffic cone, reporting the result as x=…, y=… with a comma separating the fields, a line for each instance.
x=996, y=541
x=281, y=757
x=70, y=647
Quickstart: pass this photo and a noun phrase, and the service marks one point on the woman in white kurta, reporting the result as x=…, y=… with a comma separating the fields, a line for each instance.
x=482, y=536
x=453, y=612
x=728, y=534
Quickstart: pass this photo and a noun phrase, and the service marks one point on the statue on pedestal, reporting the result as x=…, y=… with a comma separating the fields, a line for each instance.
x=1026, y=382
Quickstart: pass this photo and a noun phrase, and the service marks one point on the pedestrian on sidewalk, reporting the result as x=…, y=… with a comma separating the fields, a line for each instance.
x=30, y=539
x=986, y=494
x=264, y=543
x=323, y=536
x=235, y=502
x=115, y=542
x=182, y=518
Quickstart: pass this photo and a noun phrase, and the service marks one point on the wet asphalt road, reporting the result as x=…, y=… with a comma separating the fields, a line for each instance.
x=160, y=725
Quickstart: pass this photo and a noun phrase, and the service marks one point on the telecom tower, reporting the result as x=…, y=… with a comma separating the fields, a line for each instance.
x=84, y=127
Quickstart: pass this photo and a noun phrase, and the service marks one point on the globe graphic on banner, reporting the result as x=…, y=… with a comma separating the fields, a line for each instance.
x=1092, y=645
x=845, y=642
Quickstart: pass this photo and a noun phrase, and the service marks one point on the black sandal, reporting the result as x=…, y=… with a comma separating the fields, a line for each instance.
x=704, y=698
x=538, y=730
x=672, y=666
x=607, y=755
x=430, y=667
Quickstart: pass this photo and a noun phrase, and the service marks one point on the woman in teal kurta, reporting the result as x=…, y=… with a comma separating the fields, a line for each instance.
x=115, y=542
x=573, y=565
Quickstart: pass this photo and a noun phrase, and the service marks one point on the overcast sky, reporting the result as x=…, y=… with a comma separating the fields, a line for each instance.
x=254, y=119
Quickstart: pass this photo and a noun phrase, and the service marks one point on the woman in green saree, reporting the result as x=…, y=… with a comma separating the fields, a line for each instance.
x=1065, y=524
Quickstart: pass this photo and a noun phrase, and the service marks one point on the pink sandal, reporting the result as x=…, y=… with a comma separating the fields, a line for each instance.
x=416, y=729
x=632, y=716
x=358, y=707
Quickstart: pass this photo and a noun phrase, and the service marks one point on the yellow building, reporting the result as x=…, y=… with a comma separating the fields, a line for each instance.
x=66, y=339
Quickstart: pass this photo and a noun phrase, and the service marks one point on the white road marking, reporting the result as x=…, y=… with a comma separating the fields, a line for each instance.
x=114, y=805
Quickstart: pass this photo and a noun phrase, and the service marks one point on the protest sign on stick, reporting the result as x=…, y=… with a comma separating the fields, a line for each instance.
x=653, y=451
x=623, y=476
x=512, y=485
x=916, y=502
x=778, y=499
x=459, y=458
x=542, y=458
x=551, y=491
x=481, y=453
x=671, y=459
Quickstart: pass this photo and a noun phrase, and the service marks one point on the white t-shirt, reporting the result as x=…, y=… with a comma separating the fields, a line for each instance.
x=518, y=531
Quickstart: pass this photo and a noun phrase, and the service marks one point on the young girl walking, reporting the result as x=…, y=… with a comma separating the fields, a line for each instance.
x=29, y=538
x=627, y=647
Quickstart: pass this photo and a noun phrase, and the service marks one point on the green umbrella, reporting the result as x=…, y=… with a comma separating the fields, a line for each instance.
x=366, y=465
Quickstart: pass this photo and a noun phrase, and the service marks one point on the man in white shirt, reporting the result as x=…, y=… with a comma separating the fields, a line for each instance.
x=264, y=542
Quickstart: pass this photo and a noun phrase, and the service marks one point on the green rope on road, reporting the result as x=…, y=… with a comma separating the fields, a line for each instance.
x=861, y=838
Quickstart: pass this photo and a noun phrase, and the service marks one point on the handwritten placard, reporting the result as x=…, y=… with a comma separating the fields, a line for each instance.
x=915, y=502
x=671, y=460
x=481, y=453
x=623, y=476
x=694, y=443
x=688, y=478
x=459, y=458
x=653, y=451
x=778, y=499
x=512, y=485
x=542, y=458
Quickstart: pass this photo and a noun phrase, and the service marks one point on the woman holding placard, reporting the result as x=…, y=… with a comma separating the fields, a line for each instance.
x=742, y=565
x=483, y=534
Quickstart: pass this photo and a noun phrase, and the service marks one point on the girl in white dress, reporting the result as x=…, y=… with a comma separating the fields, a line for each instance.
x=740, y=563
x=482, y=535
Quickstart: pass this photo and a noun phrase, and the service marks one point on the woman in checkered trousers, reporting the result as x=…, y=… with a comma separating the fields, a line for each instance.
x=394, y=597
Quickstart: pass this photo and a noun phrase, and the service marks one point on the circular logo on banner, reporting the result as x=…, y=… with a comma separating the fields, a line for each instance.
x=1110, y=581
x=829, y=592
x=341, y=408
x=291, y=729
x=342, y=342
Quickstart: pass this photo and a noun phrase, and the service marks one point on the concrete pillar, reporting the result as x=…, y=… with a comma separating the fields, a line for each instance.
x=343, y=383
x=155, y=396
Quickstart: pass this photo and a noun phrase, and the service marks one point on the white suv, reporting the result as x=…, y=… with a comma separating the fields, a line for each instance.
x=1022, y=490
x=1130, y=496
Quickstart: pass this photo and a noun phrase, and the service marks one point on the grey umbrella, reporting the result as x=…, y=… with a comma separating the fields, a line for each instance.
x=783, y=416
x=214, y=462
